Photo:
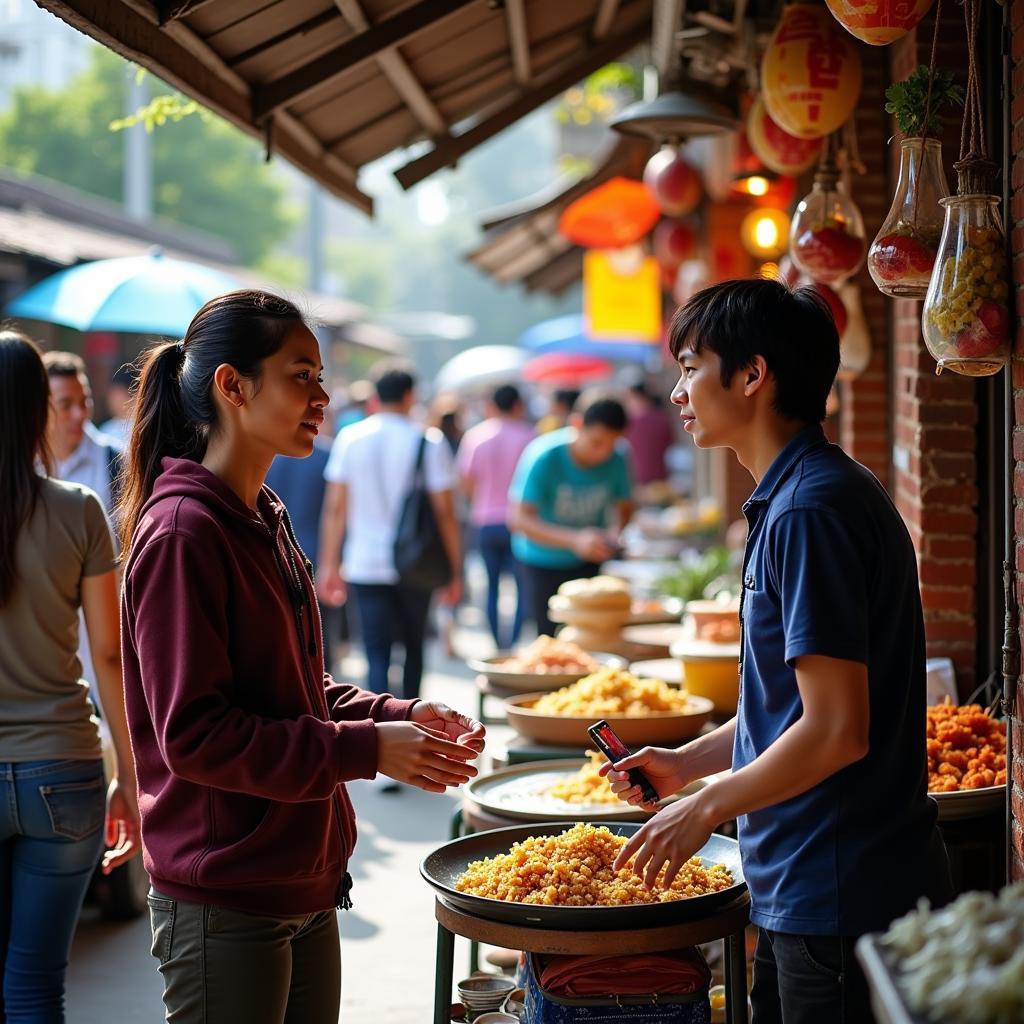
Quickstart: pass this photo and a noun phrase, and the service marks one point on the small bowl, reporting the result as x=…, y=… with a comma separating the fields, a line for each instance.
x=496, y=1017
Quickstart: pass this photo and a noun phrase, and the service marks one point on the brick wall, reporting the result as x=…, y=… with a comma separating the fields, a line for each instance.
x=934, y=471
x=1015, y=226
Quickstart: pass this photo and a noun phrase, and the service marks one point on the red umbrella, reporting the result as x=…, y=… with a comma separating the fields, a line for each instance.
x=566, y=368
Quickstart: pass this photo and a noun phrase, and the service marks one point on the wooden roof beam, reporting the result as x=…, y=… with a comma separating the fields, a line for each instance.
x=397, y=71
x=668, y=19
x=447, y=152
x=169, y=10
x=605, y=17
x=519, y=39
x=366, y=46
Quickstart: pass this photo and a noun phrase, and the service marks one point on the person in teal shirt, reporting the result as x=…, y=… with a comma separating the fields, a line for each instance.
x=569, y=500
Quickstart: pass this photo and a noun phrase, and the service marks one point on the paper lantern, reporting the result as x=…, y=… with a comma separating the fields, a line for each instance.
x=776, y=148
x=673, y=242
x=811, y=74
x=765, y=233
x=620, y=212
x=672, y=182
x=878, y=22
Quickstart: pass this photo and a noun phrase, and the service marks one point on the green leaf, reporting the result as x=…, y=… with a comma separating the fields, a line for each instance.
x=908, y=99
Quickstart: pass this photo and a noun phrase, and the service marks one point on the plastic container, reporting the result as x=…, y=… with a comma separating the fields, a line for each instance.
x=711, y=671
x=966, y=316
x=903, y=253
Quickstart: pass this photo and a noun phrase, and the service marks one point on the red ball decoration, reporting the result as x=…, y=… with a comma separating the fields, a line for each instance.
x=674, y=241
x=674, y=184
x=835, y=303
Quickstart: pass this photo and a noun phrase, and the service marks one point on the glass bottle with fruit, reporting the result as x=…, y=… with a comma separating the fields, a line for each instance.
x=826, y=238
x=902, y=255
x=966, y=315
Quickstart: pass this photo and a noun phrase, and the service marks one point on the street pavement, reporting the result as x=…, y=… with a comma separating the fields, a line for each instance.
x=388, y=938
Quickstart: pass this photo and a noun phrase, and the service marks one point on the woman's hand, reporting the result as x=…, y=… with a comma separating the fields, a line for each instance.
x=456, y=727
x=121, y=829
x=665, y=768
x=425, y=758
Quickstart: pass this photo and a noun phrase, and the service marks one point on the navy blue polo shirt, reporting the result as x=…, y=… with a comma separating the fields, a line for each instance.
x=830, y=570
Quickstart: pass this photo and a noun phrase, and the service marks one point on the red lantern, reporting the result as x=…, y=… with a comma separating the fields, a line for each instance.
x=674, y=184
x=674, y=241
x=878, y=22
x=618, y=213
x=775, y=147
x=811, y=74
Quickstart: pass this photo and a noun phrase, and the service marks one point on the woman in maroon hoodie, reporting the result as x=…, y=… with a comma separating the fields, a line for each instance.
x=242, y=742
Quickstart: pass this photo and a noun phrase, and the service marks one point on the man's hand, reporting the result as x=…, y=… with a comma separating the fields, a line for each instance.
x=451, y=595
x=665, y=769
x=121, y=827
x=593, y=545
x=330, y=587
x=454, y=726
x=674, y=834
x=422, y=757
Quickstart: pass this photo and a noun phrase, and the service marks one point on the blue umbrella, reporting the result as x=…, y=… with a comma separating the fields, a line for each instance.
x=567, y=334
x=141, y=294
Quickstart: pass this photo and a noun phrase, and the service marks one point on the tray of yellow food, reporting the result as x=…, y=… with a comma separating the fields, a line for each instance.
x=966, y=749
x=545, y=664
x=570, y=790
x=639, y=710
x=545, y=875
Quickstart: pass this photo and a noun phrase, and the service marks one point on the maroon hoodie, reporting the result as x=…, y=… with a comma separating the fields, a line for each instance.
x=242, y=743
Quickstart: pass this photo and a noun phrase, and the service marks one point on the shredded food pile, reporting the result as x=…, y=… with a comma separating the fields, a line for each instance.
x=612, y=691
x=585, y=786
x=966, y=748
x=546, y=656
x=574, y=869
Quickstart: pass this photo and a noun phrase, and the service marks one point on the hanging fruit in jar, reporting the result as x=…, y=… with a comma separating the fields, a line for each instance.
x=878, y=22
x=826, y=239
x=902, y=255
x=673, y=182
x=810, y=74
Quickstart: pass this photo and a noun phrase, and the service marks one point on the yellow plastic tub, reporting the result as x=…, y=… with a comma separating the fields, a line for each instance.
x=710, y=670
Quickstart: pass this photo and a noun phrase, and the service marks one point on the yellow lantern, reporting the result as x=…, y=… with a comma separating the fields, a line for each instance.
x=765, y=233
x=775, y=147
x=811, y=74
x=878, y=22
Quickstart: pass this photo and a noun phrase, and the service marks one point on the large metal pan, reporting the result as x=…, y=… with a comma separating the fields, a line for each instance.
x=443, y=867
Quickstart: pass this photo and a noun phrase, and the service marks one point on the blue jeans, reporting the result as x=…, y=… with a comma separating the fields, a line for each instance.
x=389, y=613
x=495, y=544
x=51, y=835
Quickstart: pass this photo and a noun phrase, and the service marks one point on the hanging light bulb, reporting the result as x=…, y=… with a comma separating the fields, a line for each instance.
x=763, y=233
x=855, y=342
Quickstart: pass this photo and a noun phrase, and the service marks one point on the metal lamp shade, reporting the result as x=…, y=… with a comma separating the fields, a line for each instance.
x=674, y=115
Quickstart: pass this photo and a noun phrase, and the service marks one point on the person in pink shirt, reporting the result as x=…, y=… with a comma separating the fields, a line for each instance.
x=487, y=460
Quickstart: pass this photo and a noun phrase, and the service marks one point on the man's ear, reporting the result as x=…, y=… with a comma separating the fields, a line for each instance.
x=755, y=375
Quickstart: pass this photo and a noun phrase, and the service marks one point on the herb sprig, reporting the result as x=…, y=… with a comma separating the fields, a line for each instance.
x=907, y=101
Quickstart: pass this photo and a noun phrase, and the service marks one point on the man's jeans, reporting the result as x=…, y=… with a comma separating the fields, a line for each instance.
x=228, y=967
x=390, y=614
x=51, y=835
x=495, y=545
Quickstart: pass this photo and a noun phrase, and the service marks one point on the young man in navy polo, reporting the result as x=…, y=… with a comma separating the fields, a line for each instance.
x=827, y=748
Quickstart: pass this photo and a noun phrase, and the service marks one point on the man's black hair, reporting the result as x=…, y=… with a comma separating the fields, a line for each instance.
x=393, y=385
x=567, y=397
x=506, y=398
x=605, y=411
x=793, y=329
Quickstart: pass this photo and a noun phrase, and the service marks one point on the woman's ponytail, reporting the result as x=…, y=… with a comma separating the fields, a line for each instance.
x=159, y=429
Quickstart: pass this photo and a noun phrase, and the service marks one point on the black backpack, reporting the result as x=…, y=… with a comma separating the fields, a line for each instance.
x=419, y=553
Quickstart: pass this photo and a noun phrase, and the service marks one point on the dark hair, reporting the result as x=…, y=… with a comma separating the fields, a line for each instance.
x=64, y=364
x=125, y=376
x=393, y=385
x=602, y=410
x=506, y=398
x=174, y=407
x=793, y=329
x=567, y=397
x=24, y=411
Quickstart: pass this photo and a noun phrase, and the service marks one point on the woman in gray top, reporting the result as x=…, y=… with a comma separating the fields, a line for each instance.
x=56, y=556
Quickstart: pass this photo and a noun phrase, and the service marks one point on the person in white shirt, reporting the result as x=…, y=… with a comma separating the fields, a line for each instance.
x=368, y=475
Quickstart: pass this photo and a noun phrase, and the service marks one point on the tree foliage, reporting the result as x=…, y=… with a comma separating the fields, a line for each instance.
x=206, y=173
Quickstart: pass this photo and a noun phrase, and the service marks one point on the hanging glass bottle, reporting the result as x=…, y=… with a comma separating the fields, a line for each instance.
x=902, y=255
x=966, y=317
x=826, y=239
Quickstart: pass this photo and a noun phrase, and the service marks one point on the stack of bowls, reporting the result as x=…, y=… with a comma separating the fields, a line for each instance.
x=484, y=992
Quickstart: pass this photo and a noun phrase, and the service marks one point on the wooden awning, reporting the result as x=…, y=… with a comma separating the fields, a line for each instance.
x=332, y=85
x=521, y=242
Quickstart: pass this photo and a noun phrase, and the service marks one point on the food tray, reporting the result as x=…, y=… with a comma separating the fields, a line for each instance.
x=518, y=792
x=443, y=867
x=571, y=730
x=969, y=803
x=533, y=682
x=886, y=999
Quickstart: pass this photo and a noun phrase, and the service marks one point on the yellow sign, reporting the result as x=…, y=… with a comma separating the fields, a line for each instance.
x=621, y=302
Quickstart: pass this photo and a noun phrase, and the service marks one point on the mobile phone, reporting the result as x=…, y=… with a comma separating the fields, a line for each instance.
x=615, y=750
